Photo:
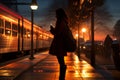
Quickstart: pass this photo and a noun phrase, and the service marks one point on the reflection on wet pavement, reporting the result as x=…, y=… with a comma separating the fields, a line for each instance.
x=48, y=69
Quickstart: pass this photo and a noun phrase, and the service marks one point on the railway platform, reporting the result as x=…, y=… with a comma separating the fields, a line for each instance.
x=46, y=67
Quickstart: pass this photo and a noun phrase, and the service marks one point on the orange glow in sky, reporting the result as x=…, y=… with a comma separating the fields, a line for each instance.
x=99, y=34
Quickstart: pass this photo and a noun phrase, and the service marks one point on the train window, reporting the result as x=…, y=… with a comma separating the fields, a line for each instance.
x=14, y=33
x=28, y=33
x=40, y=36
x=7, y=25
x=1, y=23
x=14, y=27
x=1, y=26
x=8, y=32
x=28, y=30
x=1, y=30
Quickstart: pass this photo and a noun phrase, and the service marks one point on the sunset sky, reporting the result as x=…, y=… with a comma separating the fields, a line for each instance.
x=47, y=7
x=45, y=15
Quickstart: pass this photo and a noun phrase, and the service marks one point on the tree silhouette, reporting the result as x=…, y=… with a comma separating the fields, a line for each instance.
x=81, y=11
x=80, y=14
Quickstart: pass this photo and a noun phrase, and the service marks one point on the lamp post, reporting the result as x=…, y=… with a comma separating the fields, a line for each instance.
x=92, y=7
x=78, y=42
x=92, y=39
x=89, y=6
x=33, y=6
x=80, y=2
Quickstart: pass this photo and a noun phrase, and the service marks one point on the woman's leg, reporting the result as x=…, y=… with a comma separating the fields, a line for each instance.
x=62, y=67
x=61, y=60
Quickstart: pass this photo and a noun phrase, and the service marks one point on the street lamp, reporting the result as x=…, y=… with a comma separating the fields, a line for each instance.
x=89, y=6
x=33, y=6
x=80, y=2
x=92, y=34
x=83, y=31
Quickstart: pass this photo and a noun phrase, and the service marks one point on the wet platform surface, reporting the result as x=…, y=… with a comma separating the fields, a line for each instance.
x=13, y=69
x=46, y=67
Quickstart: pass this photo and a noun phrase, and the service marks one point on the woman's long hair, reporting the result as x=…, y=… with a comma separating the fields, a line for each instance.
x=61, y=15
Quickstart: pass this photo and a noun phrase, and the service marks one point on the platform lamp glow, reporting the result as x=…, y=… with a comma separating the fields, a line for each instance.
x=33, y=7
x=83, y=31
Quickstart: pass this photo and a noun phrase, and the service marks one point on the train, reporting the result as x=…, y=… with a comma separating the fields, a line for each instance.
x=15, y=34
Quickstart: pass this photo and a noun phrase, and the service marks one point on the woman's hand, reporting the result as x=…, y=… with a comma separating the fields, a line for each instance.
x=52, y=30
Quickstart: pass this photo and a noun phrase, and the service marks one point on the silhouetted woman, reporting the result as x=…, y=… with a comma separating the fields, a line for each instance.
x=57, y=47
